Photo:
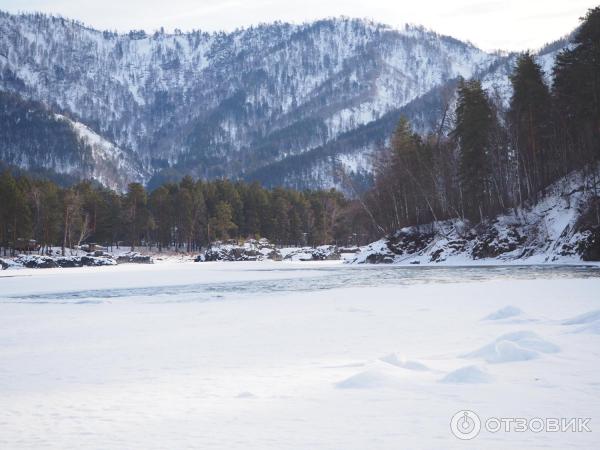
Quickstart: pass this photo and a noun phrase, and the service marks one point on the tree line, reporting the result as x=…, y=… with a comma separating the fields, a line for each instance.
x=185, y=215
x=483, y=159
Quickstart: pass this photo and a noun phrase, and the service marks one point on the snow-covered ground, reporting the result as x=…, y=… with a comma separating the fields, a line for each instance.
x=554, y=230
x=283, y=355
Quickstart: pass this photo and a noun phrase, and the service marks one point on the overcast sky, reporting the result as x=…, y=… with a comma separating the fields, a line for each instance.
x=489, y=24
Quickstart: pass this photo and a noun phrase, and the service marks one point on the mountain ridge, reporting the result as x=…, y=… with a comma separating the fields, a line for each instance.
x=230, y=104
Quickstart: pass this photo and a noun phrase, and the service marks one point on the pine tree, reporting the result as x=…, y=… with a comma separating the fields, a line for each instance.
x=161, y=208
x=136, y=212
x=531, y=123
x=222, y=223
x=412, y=162
x=14, y=212
x=472, y=132
x=576, y=90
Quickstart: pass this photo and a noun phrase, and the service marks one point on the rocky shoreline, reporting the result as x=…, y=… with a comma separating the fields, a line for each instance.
x=95, y=259
x=560, y=228
x=262, y=250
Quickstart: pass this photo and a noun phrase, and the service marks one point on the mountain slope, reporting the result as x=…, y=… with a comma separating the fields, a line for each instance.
x=346, y=161
x=280, y=103
x=36, y=139
x=227, y=104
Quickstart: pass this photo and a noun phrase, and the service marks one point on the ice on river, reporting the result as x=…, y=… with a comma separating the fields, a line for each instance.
x=294, y=356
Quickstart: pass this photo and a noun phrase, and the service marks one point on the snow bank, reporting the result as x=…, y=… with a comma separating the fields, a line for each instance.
x=557, y=229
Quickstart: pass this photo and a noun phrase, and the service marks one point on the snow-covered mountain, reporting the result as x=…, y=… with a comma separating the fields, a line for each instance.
x=285, y=104
x=37, y=139
x=346, y=162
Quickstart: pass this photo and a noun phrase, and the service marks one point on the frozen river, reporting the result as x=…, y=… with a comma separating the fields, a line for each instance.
x=295, y=356
x=217, y=281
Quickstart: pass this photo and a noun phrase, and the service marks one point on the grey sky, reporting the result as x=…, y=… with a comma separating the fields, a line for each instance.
x=490, y=24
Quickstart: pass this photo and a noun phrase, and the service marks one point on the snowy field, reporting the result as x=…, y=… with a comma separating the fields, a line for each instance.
x=295, y=356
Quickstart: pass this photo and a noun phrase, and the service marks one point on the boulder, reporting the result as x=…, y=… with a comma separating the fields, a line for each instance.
x=326, y=253
x=409, y=241
x=68, y=261
x=492, y=244
x=589, y=248
x=379, y=258
x=36, y=261
x=134, y=258
x=251, y=250
x=96, y=261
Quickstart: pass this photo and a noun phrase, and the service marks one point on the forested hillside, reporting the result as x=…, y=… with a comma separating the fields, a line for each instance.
x=481, y=160
x=40, y=141
x=232, y=104
x=497, y=161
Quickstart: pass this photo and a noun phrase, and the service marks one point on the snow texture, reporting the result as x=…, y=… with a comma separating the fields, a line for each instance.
x=284, y=355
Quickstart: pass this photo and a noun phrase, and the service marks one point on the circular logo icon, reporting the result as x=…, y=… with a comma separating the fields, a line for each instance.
x=465, y=425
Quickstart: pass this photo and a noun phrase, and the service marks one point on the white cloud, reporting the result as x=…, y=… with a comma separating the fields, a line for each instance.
x=490, y=24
